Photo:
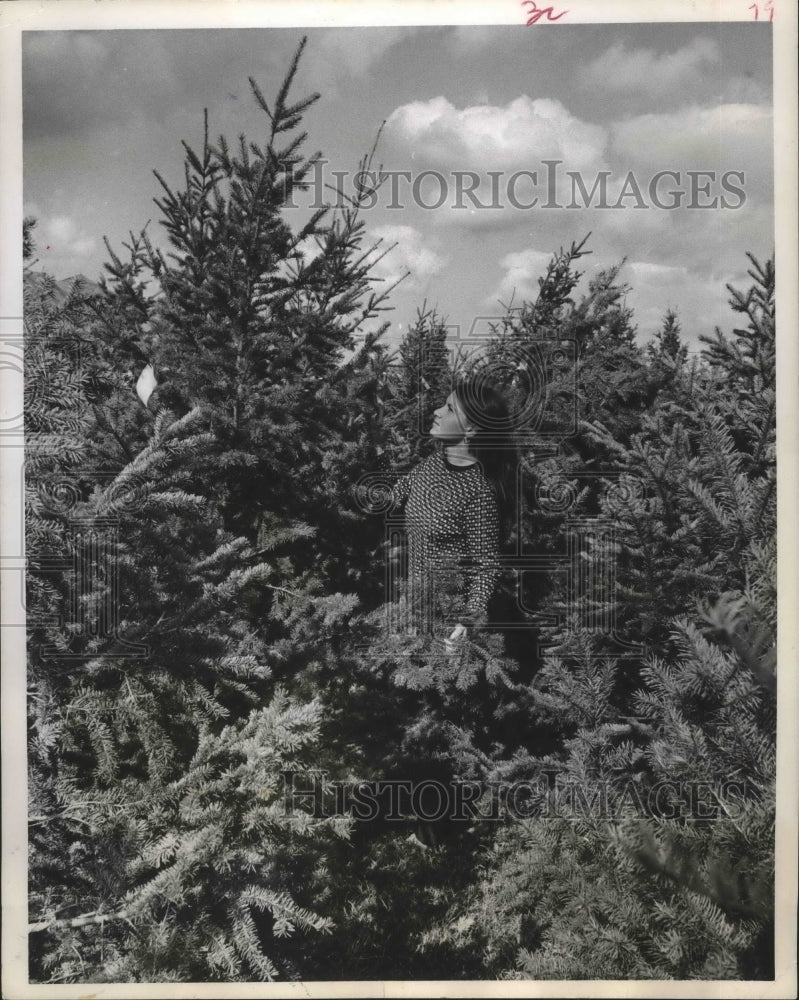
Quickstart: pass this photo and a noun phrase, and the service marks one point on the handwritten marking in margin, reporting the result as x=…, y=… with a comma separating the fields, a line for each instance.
x=535, y=12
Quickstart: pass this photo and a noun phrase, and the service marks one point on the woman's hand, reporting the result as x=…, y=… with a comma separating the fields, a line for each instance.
x=456, y=639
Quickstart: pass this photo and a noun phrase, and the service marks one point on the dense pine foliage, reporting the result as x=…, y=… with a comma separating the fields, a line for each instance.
x=208, y=628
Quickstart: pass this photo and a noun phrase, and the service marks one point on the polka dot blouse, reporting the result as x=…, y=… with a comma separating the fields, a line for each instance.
x=452, y=524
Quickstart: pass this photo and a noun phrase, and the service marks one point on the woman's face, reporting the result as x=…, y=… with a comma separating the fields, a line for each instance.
x=449, y=421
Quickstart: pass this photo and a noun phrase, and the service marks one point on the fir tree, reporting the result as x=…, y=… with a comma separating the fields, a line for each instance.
x=150, y=754
x=422, y=382
x=204, y=617
x=668, y=342
x=259, y=324
x=665, y=881
x=158, y=737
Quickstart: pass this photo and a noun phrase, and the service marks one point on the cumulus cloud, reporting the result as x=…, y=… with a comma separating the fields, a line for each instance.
x=410, y=254
x=62, y=235
x=620, y=70
x=484, y=137
x=669, y=79
x=63, y=247
x=519, y=282
x=726, y=137
x=701, y=302
x=465, y=145
x=699, y=295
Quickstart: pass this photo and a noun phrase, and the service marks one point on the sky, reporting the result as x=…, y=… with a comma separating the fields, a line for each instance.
x=464, y=107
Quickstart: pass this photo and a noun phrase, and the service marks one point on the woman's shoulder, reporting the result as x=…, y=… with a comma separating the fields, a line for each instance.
x=481, y=490
x=433, y=463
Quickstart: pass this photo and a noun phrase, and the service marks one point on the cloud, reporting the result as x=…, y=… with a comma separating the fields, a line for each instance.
x=696, y=73
x=344, y=52
x=701, y=302
x=726, y=137
x=519, y=283
x=65, y=48
x=75, y=82
x=464, y=144
x=470, y=38
x=410, y=254
x=620, y=70
x=710, y=242
x=64, y=236
x=699, y=296
x=62, y=245
x=484, y=137
x=60, y=75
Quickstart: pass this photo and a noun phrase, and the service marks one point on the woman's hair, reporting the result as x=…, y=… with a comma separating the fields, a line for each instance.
x=494, y=440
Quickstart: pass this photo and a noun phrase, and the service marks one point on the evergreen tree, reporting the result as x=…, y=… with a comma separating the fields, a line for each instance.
x=28, y=225
x=654, y=858
x=668, y=341
x=157, y=743
x=204, y=617
x=259, y=325
x=162, y=846
x=423, y=381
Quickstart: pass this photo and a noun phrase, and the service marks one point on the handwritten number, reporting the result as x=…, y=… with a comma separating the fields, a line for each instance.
x=536, y=13
x=768, y=8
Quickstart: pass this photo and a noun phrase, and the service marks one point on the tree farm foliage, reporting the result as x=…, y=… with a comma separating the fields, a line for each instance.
x=206, y=619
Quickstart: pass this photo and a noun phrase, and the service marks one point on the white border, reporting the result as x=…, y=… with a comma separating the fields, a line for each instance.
x=89, y=14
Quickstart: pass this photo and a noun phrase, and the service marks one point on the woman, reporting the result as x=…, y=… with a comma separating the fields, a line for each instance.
x=452, y=514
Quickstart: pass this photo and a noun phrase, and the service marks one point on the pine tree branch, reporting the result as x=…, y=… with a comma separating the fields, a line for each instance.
x=44, y=820
x=86, y=920
x=104, y=425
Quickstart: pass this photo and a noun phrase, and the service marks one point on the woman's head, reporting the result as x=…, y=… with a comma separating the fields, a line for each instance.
x=489, y=433
x=451, y=425
x=474, y=412
x=485, y=410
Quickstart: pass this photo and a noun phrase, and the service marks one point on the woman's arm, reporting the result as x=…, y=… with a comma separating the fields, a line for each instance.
x=382, y=492
x=400, y=491
x=482, y=538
